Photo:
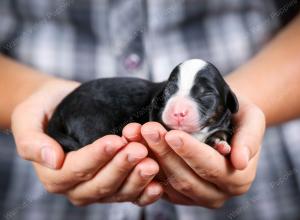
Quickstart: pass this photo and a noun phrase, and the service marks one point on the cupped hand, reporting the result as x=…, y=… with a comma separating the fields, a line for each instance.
x=194, y=173
x=108, y=170
x=29, y=120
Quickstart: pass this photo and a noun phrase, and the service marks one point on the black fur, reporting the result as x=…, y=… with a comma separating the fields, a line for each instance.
x=105, y=106
x=216, y=102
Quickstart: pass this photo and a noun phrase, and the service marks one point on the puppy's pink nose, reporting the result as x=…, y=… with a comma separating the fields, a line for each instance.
x=179, y=116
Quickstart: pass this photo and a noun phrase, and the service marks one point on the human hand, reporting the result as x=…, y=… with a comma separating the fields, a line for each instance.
x=196, y=174
x=29, y=119
x=108, y=170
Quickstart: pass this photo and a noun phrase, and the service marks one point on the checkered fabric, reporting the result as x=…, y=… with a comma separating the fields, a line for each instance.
x=87, y=39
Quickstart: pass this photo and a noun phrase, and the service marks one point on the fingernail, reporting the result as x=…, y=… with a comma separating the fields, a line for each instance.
x=154, y=136
x=154, y=191
x=133, y=137
x=134, y=158
x=48, y=157
x=174, y=141
x=146, y=175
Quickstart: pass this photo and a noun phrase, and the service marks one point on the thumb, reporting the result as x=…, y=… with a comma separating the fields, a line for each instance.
x=249, y=131
x=31, y=141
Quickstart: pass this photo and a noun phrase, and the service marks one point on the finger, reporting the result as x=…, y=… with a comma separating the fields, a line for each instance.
x=209, y=164
x=178, y=173
x=82, y=164
x=250, y=126
x=32, y=143
x=136, y=182
x=151, y=194
x=108, y=180
x=203, y=159
x=141, y=176
x=174, y=196
x=153, y=133
x=132, y=132
x=170, y=193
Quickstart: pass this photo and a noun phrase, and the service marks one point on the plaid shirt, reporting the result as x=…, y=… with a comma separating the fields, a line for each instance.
x=86, y=39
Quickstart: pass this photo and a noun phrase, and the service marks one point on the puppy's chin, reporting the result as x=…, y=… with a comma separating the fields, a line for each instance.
x=184, y=127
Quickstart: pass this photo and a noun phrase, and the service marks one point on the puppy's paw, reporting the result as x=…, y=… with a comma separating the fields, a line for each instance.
x=222, y=147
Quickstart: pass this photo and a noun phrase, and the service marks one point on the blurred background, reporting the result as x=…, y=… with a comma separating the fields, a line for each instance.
x=83, y=40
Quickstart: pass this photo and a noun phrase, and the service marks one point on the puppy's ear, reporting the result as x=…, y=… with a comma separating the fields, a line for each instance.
x=229, y=97
x=231, y=101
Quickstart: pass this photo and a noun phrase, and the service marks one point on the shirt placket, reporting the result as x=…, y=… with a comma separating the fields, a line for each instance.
x=127, y=29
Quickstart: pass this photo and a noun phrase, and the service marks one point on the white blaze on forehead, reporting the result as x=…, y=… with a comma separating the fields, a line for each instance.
x=187, y=73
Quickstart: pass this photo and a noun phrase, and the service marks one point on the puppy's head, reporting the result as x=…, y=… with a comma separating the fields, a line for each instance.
x=195, y=96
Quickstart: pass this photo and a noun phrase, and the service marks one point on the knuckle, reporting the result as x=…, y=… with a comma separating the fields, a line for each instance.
x=52, y=188
x=163, y=154
x=250, y=179
x=216, y=205
x=140, y=203
x=22, y=148
x=119, y=198
x=123, y=166
x=214, y=174
x=78, y=203
x=103, y=191
x=22, y=153
x=186, y=153
x=82, y=175
x=182, y=185
x=237, y=191
x=211, y=174
x=62, y=183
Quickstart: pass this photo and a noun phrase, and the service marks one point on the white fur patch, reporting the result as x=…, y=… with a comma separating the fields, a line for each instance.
x=187, y=73
x=181, y=100
x=201, y=135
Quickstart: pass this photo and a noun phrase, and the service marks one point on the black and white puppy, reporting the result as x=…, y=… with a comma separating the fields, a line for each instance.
x=195, y=99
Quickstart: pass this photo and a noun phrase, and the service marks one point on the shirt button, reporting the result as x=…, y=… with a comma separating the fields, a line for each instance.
x=132, y=61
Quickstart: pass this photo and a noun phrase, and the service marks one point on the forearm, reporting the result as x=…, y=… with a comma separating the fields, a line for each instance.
x=272, y=78
x=16, y=83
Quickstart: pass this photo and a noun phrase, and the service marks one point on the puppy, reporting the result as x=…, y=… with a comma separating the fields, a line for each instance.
x=195, y=99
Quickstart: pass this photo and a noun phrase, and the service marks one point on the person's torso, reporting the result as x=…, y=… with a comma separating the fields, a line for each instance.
x=87, y=39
